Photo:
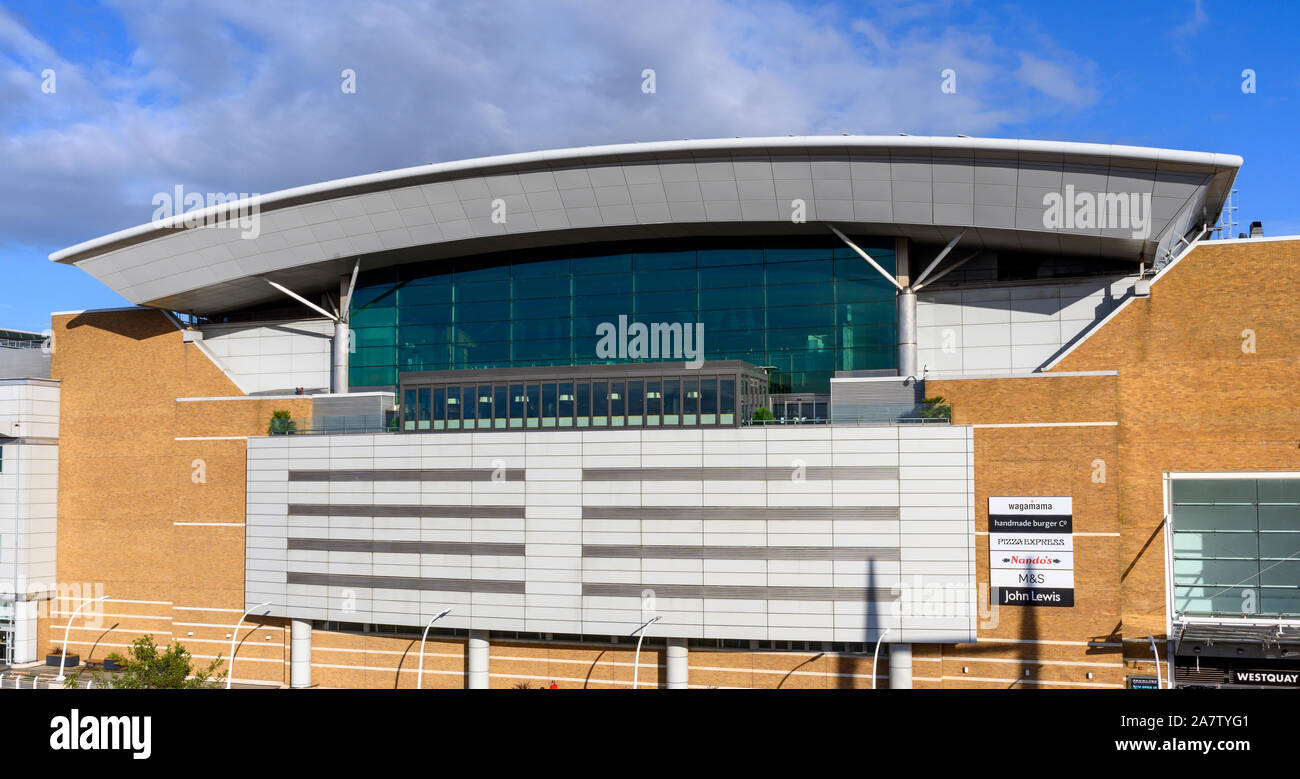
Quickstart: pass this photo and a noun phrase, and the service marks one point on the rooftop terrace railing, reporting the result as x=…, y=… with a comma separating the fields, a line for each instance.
x=13, y=343
x=847, y=420
x=358, y=425
x=345, y=425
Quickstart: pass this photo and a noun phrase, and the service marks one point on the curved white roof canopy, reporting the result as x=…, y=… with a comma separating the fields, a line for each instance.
x=926, y=188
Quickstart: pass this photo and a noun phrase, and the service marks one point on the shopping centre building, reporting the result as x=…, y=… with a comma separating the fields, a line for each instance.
x=1029, y=425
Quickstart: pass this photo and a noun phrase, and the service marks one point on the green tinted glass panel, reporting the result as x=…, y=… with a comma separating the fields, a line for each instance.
x=483, y=311
x=1285, y=491
x=610, y=305
x=604, y=284
x=425, y=294
x=414, y=315
x=816, y=317
x=540, y=269
x=807, y=305
x=676, y=300
x=613, y=263
x=792, y=294
x=1214, y=491
x=713, y=298
x=684, y=279
x=819, y=272
x=541, y=308
x=378, y=295
x=729, y=341
x=707, y=258
x=372, y=336
x=541, y=329
x=549, y=287
x=373, y=316
x=663, y=260
x=1236, y=544
x=801, y=254
x=732, y=319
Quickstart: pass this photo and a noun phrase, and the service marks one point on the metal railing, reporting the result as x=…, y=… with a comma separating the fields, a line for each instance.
x=371, y=423
x=846, y=420
x=933, y=413
x=10, y=343
x=42, y=680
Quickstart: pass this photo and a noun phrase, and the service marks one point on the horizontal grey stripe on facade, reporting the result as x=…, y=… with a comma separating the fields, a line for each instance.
x=740, y=512
x=406, y=547
x=743, y=552
x=406, y=583
x=780, y=473
x=736, y=592
x=410, y=474
x=28, y=441
x=431, y=512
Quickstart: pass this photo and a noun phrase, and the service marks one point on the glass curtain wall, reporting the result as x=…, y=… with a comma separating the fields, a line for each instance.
x=1236, y=547
x=804, y=307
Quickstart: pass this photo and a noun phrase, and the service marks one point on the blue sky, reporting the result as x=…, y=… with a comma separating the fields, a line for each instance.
x=244, y=96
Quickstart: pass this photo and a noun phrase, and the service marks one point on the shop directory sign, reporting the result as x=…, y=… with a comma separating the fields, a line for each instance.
x=1031, y=551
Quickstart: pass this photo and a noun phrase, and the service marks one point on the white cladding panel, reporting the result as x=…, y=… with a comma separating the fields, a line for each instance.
x=828, y=533
x=28, y=534
x=279, y=357
x=29, y=408
x=927, y=189
x=1009, y=329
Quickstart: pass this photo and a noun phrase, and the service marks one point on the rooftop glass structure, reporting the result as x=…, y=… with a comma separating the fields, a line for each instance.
x=803, y=307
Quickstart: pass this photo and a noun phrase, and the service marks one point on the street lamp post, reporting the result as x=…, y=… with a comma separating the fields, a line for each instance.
x=63, y=658
x=1156, y=653
x=419, y=677
x=230, y=665
x=876, y=658
x=636, y=662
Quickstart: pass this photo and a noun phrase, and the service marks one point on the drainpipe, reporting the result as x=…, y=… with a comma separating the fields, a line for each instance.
x=1156, y=652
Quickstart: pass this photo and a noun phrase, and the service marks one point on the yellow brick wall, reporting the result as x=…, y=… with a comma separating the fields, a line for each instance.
x=1191, y=398
x=1052, y=643
x=125, y=482
x=1187, y=398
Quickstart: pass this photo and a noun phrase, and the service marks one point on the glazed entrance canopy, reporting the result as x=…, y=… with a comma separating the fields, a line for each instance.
x=997, y=193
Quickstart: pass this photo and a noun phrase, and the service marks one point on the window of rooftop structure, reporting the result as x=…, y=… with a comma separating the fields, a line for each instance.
x=582, y=404
x=617, y=403
x=565, y=404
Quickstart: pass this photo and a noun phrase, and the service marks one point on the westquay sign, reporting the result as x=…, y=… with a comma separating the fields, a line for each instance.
x=1267, y=678
x=1031, y=551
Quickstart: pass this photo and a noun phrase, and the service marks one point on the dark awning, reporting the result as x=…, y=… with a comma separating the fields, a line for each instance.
x=1260, y=634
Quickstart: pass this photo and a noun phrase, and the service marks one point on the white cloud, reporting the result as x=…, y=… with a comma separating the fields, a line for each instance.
x=1059, y=81
x=244, y=95
x=1195, y=23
